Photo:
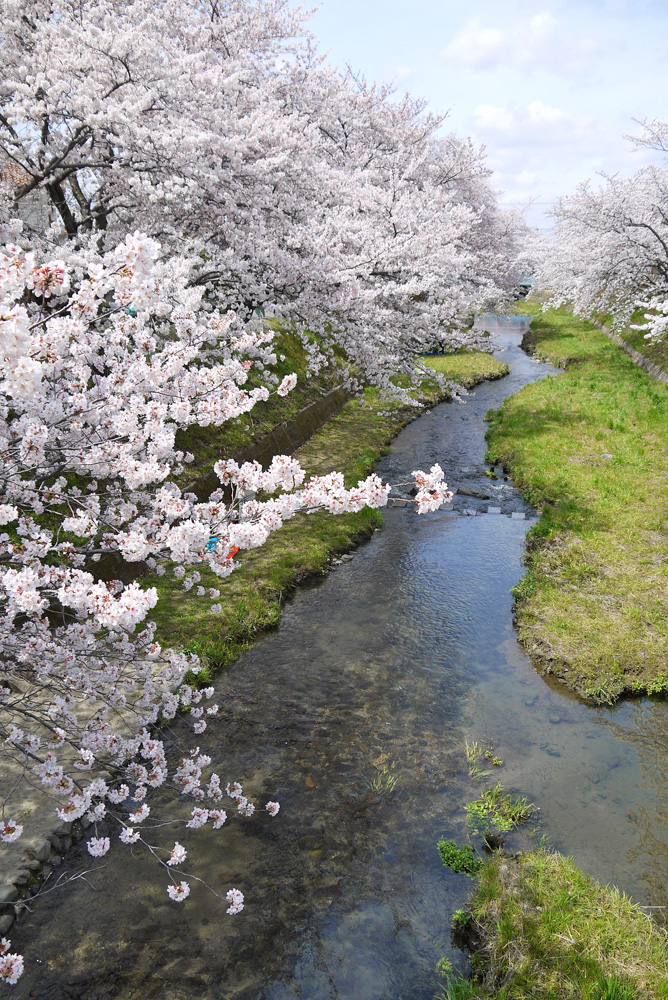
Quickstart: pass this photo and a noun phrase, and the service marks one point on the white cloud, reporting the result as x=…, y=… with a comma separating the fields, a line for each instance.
x=497, y=119
x=529, y=147
x=541, y=42
x=477, y=46
x=403, y=73
x=536, y=121
x=543, y=114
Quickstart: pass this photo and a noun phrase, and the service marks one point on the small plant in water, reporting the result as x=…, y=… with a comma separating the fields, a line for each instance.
x=497, y=809
x=475, y=753
x=460, y=920
x=460, y=859
x=385, y=782
x=444, y=967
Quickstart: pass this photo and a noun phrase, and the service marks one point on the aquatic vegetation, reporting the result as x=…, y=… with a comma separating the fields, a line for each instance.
x=444, y=967
x=384, y=782
x=475, y=752
x=497, y=809
x=460, y=920
x=460, y=859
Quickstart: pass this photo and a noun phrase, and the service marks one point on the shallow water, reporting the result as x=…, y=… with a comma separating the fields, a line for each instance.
x=387, y=666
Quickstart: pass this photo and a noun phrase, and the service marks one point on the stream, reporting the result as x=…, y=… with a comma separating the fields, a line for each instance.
x=381, y=671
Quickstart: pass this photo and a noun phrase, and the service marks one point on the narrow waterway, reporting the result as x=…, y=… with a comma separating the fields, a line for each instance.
x=385, y=668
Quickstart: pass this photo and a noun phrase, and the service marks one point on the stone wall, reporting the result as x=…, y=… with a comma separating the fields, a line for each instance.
x=284, y=438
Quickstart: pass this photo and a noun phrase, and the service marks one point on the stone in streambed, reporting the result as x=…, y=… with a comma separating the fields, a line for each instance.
x=468, y=491
x=43, y=851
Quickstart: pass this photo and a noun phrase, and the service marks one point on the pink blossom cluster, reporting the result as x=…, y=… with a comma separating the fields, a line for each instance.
x=11, y=964
x=236, y=900
x=432, y=492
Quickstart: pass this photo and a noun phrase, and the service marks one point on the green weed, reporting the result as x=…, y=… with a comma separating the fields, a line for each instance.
x=475, y=753
x=444, y=967
x=459, y=859
x=384, y=782
x=460, y=920
x=496, y=809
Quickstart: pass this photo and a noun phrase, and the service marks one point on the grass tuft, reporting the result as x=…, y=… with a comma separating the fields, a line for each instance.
x=495, y=809
x=546, y=930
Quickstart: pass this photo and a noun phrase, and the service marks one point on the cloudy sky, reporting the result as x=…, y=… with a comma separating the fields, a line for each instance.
x=550, y=87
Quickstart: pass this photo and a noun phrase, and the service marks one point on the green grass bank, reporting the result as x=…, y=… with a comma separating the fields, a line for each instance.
x=252, y=597
x=540, y=929
x=589, y=449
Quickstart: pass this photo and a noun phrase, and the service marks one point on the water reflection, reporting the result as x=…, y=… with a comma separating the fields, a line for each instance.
x=386, y=667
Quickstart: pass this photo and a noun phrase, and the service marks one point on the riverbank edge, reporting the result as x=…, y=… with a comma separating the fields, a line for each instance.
x=536, y=925
x=610, y=682
x=29, y=862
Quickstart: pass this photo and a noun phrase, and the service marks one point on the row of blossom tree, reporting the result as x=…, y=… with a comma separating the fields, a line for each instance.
x=608, y=251
x=256, y=182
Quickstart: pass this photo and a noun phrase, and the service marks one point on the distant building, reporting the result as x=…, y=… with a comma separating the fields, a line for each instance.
x=35, y=210
x=524, y=286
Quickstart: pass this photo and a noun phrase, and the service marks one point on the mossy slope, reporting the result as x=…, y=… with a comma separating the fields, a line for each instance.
x=236, y=437
x=589, y=447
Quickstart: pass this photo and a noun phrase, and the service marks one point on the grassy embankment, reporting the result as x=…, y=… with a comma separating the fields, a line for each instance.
x=539, y=928
x=589, y=448
x=351, y=442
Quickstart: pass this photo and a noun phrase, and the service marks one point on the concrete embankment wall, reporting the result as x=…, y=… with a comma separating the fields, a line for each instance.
x=284, y=438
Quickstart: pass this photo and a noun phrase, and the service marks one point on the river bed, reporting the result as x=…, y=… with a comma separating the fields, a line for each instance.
x=383, y=670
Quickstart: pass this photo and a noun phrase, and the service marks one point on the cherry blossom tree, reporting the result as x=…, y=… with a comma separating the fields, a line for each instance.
x=270, y=187
x=103, y=360
x=608, y=252
x=217, y=128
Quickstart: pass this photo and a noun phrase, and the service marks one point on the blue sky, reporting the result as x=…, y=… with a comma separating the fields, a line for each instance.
x=550, y=88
